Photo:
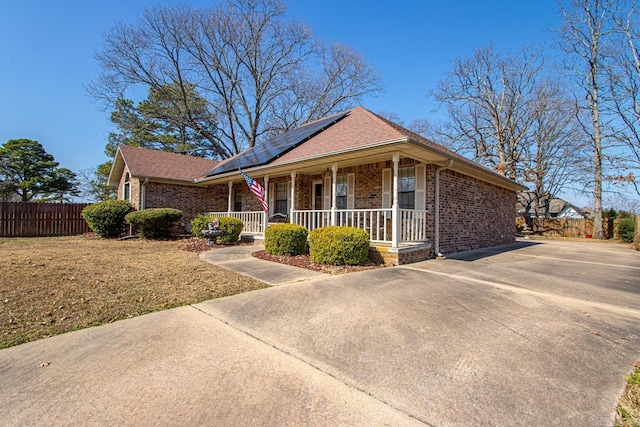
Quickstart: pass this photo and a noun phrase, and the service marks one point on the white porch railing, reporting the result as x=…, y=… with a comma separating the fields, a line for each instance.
x=312, y=219
x=377, y=222
x=413, y=225
x=252, y=221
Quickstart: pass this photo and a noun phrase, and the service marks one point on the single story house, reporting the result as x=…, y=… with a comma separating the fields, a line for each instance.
x=527, y=207
x=416, y=198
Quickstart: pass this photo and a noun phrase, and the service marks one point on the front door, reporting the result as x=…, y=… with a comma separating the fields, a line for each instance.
x=317, y=195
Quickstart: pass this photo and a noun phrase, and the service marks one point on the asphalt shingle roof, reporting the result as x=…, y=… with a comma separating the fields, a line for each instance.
x=143, y=162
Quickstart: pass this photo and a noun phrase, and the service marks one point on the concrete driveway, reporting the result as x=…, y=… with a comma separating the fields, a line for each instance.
x=540, y=334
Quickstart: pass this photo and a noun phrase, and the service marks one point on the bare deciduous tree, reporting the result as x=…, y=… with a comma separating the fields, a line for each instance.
x=258, y=72
x=507, y=112
x=584, y=37
x=553, y=158
x=623, y=78
x=488, y=101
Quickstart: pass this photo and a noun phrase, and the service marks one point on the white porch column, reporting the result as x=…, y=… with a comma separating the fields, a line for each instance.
x=293, y=197
x=265, y=215
x=395, y=210
x=334, y=169
x=230, y=204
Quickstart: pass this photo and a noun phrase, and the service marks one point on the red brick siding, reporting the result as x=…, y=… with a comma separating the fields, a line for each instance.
x=474, y=214
x=191, y=200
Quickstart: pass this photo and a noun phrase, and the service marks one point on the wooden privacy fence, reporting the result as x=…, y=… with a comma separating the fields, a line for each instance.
x=569, y=227
x=19, y=219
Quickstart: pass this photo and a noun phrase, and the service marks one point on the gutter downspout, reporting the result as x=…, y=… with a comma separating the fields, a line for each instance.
x=436, y=208
x=143, y=195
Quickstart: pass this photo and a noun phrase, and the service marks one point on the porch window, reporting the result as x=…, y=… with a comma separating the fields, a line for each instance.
x=237, y=199
x=406, y=187
x=282, y=189
x=126, y=188
x=342, y=190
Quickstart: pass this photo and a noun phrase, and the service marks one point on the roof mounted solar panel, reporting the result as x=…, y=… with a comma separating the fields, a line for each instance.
x=266, y=152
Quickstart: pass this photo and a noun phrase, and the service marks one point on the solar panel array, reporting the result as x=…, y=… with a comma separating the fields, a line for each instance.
x=266, y=152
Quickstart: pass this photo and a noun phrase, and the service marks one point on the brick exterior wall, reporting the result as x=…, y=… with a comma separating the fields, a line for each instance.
x=191, y=200
x=474, y=214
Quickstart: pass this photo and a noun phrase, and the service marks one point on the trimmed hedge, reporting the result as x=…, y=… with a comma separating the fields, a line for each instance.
x=231, y=228
x=154, y=223
x=199, y=223
x=627, y=229
x=337, y=245
x=285, y=239
x=107, y=218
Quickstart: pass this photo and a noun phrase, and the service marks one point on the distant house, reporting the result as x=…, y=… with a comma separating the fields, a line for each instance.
x=414, y=197
x=527, y=207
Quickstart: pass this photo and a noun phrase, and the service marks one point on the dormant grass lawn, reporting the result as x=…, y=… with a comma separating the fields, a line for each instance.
x=53, y=285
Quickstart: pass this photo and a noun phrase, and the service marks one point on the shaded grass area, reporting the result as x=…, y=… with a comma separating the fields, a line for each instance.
x=54, y=285
x=628, y=414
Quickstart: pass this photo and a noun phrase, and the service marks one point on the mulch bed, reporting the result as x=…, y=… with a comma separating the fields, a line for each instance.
x=304, y=261
x=196, y=244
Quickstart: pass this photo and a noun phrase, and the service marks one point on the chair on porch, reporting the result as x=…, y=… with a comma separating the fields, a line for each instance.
x=278, y=218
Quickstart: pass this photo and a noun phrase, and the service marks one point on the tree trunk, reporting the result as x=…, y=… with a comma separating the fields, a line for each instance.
x=597, y=161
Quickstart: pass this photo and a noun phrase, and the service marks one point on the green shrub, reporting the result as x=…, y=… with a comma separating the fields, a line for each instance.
x=339, y=246
x=627, y=229
x=155, y=223
x=231, y=229
x=106, y=218
x=199, y=223
x=285, y=239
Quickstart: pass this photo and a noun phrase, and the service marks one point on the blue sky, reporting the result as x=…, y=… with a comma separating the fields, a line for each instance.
x=47, y=56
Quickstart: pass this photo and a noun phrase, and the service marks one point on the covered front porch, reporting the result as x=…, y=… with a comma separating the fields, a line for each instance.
x=386, y=198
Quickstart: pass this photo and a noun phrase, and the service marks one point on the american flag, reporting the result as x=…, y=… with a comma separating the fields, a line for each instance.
x=257, y=190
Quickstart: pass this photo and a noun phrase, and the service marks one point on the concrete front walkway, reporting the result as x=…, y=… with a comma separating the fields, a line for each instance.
x=239, y=259
x=542, y=334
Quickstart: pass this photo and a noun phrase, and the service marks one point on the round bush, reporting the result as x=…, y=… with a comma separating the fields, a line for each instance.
x=231, y=229
x=155, y=223
x=627, y=229
x=106, y=218
x=285, y=239
x=199, y=223
x=339, y=246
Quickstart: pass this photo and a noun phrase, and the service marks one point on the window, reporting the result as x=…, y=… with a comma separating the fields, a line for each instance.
x=126, y=188
x=406, y=187
x=281, y=198
x=237, y=199
x=342, y=190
